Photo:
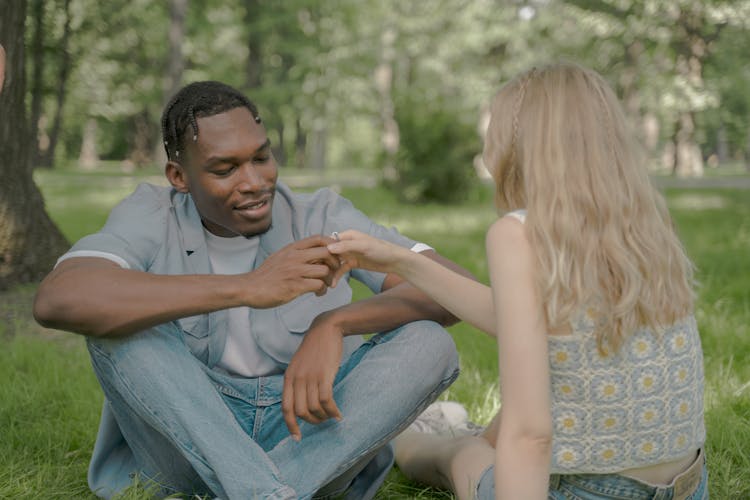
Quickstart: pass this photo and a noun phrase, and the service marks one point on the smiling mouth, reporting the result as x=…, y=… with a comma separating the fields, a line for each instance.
x=252, y=206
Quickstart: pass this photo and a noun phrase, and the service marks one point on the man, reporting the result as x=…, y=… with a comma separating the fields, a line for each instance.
x=211, y=323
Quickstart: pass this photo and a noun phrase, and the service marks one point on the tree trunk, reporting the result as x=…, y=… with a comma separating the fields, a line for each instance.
x=89, y=157
x=722, y=144
x=175, y=65
x=279, y=149
x=384, y=84
x=318, y=145
x=62, y=82
x=688, y=158
x=37, y=89
x=143, y=134
x=29, y=240
x=300, y=143
x=254, y=66
x=631, y=96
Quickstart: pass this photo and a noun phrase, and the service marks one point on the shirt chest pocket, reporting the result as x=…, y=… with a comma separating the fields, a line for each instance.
x=196, y=331
x=195, y=326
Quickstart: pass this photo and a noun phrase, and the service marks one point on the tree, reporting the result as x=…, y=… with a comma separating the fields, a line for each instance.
x=29, y=240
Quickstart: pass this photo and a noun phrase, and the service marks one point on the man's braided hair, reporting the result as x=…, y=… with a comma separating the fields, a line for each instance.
x=194, y=101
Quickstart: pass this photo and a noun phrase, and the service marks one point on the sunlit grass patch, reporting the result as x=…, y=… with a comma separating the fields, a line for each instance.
x=697, y=201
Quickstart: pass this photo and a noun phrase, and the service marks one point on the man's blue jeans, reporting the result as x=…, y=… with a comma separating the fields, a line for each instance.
x=195, y=430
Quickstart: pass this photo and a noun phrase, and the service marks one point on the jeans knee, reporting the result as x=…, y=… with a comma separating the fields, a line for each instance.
x=433, y=345
x=143, y=354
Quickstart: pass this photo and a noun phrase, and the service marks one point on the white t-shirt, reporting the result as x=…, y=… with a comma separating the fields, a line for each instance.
x=241, y=355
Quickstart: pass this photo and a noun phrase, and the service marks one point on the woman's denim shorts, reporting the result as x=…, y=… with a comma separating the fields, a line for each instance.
x=689, y=485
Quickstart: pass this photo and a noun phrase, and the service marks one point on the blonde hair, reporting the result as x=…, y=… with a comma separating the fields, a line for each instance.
x=558, y=145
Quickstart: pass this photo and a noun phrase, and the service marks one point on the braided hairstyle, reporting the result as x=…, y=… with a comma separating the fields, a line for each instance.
x=193, y=101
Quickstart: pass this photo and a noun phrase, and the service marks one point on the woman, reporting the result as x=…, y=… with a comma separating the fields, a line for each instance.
x=591, y=300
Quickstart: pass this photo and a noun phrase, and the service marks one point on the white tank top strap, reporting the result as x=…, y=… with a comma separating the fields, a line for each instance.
x=518, y=214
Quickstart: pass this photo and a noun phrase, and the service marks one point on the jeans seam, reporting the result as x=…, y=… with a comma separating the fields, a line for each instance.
x=588, y=489
x=381, y=442
x=164, y=425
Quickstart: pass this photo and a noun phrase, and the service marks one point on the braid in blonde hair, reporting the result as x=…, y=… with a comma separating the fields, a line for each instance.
x=517, y=111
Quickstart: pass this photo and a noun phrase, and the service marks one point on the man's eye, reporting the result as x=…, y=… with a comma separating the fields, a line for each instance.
x=224, y=171
x=262, y=159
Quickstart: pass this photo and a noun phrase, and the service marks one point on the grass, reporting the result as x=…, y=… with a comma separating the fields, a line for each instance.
x=50, y=400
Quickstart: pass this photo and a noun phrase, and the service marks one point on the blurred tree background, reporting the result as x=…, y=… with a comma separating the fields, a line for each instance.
x=341, y=83
x=396, y=91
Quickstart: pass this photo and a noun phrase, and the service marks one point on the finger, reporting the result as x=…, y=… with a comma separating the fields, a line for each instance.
x=316, y=240
x=351, y=234
x=322, y=273
x=350, y=246
x=319, y=255
x=287, y=409
x=317, y=271
x=345, y=267
x=313, y=404
x=330, y=260
x=317, y=286
x=301, y=407
x=325, y=396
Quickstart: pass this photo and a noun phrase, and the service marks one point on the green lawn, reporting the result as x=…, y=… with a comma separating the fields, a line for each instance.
x=50, y=399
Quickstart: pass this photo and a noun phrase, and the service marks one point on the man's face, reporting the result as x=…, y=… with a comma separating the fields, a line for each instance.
x=231, y=174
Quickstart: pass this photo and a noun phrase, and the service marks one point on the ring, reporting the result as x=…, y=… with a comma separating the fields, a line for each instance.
x=335, y=236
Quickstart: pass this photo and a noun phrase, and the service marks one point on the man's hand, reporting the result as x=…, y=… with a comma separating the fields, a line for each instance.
x=308, y=381
x=300, y=267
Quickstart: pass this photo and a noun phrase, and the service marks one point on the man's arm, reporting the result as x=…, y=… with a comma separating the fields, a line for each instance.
x=308, y=381
x=96, y=297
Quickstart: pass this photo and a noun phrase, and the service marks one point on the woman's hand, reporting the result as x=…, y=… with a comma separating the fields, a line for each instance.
x=360, y=250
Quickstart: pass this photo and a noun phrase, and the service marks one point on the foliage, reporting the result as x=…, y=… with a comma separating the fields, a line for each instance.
x=311, y=65
x=438, y=145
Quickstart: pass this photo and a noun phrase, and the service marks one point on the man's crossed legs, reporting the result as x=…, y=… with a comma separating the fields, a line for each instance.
x=195, y=430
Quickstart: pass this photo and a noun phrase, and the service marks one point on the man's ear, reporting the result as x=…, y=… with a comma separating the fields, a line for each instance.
x=176, y=176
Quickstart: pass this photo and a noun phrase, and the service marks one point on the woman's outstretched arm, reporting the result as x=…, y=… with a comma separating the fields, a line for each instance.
x=464, y=297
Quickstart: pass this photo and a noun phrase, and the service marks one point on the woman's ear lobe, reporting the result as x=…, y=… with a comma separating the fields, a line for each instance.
x=175, y=174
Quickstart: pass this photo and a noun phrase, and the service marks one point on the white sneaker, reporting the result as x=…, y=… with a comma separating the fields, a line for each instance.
x=446, y=418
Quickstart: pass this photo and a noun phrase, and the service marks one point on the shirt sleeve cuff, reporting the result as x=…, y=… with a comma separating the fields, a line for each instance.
x=93, y=253
x=421, y=247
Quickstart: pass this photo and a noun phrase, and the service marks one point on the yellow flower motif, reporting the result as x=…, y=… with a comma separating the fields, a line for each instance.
x=683, y=408
x=609, y=390
x=610, y=422
x=566, y=389
x=647, y=447
x=681, y=440
x=682, y=374
x=567, y=456
x=569, y=423
x=608, y=454
x=679, y=341
x=648, y=382
x=561, y=357
x=648, y=416
x=642, y=346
